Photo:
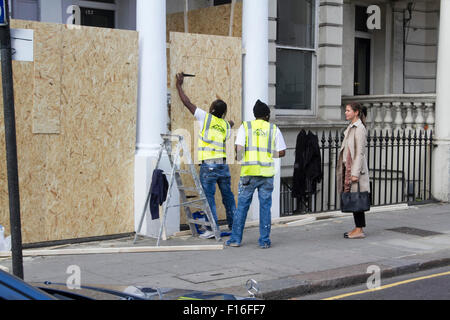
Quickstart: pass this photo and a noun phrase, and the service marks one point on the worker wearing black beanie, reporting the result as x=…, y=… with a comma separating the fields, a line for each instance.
x=261, y=111
x=258, y=142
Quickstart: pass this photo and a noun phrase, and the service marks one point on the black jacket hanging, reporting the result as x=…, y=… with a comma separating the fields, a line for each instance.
x=158, y=192
x=307, y=167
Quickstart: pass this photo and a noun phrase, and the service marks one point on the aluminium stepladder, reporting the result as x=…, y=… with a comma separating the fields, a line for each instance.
x=174, y=177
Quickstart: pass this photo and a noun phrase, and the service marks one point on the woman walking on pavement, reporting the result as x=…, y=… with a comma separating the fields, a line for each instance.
x=352, y=168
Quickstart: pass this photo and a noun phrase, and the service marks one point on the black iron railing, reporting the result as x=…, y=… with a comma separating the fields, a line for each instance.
x=399, y=165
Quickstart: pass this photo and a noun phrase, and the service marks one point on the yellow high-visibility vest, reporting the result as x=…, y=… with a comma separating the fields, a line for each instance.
x=212, y=138
x=260, y=138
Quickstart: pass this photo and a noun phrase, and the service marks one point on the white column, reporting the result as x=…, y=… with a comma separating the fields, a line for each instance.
x=387, y=116
x=152, y=99
x=255, y=43
x=378, y=119
x=430, y=118
x=388, y=50
x=420, y=120
x=370, y=113
x=441, y=155
x=397, y=48
x=398, y=116
x=409, y=120
x=152, y=118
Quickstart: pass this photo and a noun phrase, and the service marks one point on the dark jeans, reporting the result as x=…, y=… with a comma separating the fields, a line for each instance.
x=360, y=219
x=212, y=174
x=247, y=186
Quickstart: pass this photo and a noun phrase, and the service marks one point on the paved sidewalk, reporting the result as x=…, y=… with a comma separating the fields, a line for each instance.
x=309, y=256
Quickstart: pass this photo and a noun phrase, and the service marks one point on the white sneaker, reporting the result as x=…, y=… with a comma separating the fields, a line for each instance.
x=207, y=235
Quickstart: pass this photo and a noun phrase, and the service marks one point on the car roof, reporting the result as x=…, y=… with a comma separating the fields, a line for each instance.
x=14, y=288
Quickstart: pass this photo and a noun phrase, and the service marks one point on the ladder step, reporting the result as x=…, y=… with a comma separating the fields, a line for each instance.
x=183, y=171
x=188, y=189
x=166, y=136
x=194, y=201
x=188, y=203
x=177, y=171
x=199, y=222
x=167, y=173
x=200, y=206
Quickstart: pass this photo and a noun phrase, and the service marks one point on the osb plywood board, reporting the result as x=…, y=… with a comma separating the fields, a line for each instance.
x=31, y=151
x=217, y=64
x=174, y=23
x=47, y=82
x=76, y=181
x=212, y=21
x=216, y=20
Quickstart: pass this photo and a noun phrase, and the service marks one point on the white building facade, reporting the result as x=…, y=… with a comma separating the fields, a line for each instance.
x=306, y=58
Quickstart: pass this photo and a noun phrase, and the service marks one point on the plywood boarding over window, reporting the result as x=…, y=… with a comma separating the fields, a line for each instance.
x=217, y=64
x=211, y=21
x=76, y=110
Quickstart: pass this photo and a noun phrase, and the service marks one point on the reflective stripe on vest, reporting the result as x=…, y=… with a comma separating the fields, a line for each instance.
x=260, y=143
x=212, y=138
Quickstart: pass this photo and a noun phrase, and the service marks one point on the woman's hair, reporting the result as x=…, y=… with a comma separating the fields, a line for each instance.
x=362, y=110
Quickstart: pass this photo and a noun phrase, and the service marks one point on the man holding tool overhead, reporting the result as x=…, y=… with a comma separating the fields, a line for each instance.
x=214, y=131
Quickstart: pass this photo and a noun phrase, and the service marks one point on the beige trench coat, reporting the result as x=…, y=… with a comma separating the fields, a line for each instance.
x=355, y=139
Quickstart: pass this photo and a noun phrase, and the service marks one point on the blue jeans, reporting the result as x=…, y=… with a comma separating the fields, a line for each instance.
x=247, y=186
x=210, y=174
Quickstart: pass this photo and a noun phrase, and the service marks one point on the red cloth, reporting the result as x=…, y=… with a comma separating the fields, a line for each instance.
x=348, y=173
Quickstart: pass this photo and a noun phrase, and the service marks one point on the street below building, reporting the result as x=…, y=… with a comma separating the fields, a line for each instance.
x=432, y=284
x=310, y=255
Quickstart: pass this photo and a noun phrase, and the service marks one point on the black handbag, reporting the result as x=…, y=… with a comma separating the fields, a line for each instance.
x=355, y=201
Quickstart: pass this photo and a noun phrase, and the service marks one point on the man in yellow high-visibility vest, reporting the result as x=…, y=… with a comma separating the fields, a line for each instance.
x=215, y=130
x=258, y=142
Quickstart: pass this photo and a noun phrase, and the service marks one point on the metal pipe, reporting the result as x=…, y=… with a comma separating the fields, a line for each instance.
x=381, y=166
x=11, y=144
x=386, y=139
x=392, y=164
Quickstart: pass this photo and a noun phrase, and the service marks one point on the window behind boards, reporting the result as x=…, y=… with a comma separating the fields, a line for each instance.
x=220, y=2
x=296, y=56
x=97, y=17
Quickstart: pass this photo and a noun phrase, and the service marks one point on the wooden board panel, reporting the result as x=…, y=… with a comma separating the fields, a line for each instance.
x=216, y=20
x=47, y=78
x=99, y=106
x=31, y=150
x=211, y=21
x=174, y=23
x=216, y=61
x=79, y=180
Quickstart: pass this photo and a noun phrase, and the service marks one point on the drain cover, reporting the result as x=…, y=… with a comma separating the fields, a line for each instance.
x=216, y=275
x=415, y=232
